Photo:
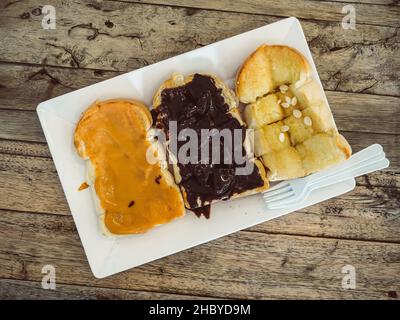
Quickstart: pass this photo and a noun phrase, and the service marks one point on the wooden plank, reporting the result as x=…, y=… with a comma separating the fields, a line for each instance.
x=21, y=290
x=242, y=265
x=374, y=214
x=365, y=119
x=365, y=113
x=29, y=85
x=358, y=141
x=34, y=184
x=390, y=144
x=362, y=60
x=353, y=112
x=20, y=125
x=366, y=13
x=23, y=87
x=371, y=211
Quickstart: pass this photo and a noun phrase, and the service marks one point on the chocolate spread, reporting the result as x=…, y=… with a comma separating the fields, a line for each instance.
x=198, y=105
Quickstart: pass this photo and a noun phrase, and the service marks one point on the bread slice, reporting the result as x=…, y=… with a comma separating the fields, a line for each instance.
x=268, y=68
x=131, y=195
x=296, y=134
x=195, y=198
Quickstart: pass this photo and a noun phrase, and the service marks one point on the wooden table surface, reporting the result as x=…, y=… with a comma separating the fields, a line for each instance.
x=300, y=255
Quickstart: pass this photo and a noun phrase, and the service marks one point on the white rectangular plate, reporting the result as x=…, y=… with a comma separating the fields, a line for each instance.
x=59, y=116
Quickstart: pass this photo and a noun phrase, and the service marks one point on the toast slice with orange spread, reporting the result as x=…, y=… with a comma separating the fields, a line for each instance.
x=132, y=195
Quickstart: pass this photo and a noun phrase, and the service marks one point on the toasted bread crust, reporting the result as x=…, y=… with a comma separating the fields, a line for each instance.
x=261, y=72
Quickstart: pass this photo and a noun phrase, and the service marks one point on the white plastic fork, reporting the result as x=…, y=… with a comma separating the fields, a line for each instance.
x=289, y=192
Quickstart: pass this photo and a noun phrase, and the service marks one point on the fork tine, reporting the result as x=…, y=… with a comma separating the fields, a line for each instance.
x=271, y=194
x=282, y=201
x=283, y=195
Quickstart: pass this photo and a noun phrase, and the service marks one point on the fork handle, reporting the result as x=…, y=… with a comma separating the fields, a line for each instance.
x=373, y=164
x=356, y=159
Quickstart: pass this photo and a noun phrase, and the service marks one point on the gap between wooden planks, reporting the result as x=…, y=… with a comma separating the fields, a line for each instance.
x=362, y=60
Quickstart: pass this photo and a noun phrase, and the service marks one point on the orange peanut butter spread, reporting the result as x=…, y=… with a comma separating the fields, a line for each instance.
x=134, y=194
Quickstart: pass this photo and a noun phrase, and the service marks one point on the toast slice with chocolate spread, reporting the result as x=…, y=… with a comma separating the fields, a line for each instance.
x=203, y=102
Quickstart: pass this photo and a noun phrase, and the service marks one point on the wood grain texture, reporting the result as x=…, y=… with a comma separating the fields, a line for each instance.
x=24, y=125
x=299, y=255
x=29, y=85
x=366, y=13
x=368, y=212
x=358, y=141
x=366, y=118
x=20, y=125
x=361, y=60
x=31, y=184
x=21, y=290
x=241, y=265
